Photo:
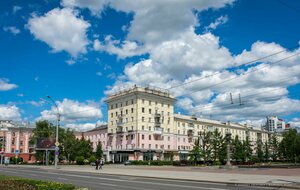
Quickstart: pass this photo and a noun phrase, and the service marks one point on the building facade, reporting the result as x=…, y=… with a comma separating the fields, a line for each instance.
x=16, y=140
x=142, y=126
x=274, y=124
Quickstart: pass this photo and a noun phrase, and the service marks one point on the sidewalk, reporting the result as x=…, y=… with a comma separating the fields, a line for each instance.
x=289, y=178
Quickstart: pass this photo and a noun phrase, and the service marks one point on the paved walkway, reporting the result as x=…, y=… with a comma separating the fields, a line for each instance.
x=274, y=177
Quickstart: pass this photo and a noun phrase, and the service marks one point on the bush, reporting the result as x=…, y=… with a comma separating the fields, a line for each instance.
x=92, y=159
x=12, y=183
x=80, y=160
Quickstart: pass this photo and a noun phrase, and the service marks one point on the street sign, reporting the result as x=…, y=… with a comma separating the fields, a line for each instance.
x=56, y=148
x=57, y=144
x=17, y=152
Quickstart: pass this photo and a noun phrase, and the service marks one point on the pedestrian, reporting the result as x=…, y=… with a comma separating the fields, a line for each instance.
x=101, y=163
x=97, y=164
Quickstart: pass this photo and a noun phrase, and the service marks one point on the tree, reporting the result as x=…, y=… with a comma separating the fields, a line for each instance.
x=267, y=152
x=289, y=149
x=195, y=153
x=247, y=150
x=217, y=141
x=206, y=145
x=259, y=150
x=274, y=147
x=99, y=151
x=84, y=148
x=238, y=149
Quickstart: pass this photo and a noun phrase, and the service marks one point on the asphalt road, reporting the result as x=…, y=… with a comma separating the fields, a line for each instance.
x=100, y=181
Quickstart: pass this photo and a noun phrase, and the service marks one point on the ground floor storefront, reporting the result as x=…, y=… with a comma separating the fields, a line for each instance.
x=25, y=157
x=145, y=155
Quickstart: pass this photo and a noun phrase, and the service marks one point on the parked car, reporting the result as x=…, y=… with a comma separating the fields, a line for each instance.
x=93, y=164
x=128, y=162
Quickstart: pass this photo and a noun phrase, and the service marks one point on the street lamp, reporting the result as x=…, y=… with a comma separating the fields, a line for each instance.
x=56, y=137
x=2, y=148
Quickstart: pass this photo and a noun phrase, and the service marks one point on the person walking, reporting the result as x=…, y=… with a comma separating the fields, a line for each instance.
x=101, y=163
x=97, y=164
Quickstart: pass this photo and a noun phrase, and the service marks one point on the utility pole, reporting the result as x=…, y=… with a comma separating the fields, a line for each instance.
x=231, y=100
x=228, y=137
x=56, y=137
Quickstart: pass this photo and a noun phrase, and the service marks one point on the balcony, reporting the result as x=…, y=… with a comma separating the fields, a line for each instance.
x=120, y=129
x=190, y=132
x=190, y=126
x=157, y=131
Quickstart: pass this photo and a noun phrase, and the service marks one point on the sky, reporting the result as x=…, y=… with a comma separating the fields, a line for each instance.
x=202, y=52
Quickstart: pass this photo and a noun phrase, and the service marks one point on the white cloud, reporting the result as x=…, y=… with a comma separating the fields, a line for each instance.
x=16, y=8
x=62, y=30
x=5, y=85
x=121, y=49
x=84, y=126
x=72, y=110
x=96, y=6
x=8, y=112
x=99, y=73
x=218, y=21
x=12, y=29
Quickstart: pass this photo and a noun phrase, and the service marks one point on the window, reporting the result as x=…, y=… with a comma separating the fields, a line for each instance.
x=12, y=150
x=116, y=105
x=111, y=115
x=178, y=147
x=183, y=139
x=121, y=104
x=155, y=103
x=143, y=119
x=149, y=146
x=143, y=127
x=21, y=150
x=143, y=137
x=149, y=137
x=21, y=143
x=162, y=147
x=132, y=101
x=150, y=102
x=149, y=111
x=178, y=139
x=126, y=111
x=143, y=101
x=143, y=110
x=143, y=145
x=131, y=110
x=156, y=146
x=111, y=107
x=126, y=120
x=168, y=130
x=178, y=131
x=169, y=147
x=149, y=119
x=168, y=105
x=131, y=119
x=111, y=122
x=131, y=137
x=168, y=113
x=126, y=103
x=162, y=104
x=116, y=113
x=168, y=138
x=149, y=128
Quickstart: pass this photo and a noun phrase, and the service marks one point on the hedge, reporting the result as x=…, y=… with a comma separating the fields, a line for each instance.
x=13, y=183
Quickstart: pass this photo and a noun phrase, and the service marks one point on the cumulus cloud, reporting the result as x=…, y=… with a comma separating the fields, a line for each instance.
x=218, y=21
x=9, y=112
x=62, y=30
x=5, y=85
x=16, y=8
x=71, y=110
x=12, y=29
x=84, y=126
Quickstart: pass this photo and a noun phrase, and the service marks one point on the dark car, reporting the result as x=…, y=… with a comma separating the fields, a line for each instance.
x=128, y=162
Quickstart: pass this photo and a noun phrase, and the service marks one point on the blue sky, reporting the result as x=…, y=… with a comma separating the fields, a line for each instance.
x=81, y=51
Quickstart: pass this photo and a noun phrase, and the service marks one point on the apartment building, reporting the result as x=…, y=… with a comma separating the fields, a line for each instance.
x=142, y=126
x=16, y=139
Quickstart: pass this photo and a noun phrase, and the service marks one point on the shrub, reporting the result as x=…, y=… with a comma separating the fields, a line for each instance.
x=80, y=160
x=92, y=159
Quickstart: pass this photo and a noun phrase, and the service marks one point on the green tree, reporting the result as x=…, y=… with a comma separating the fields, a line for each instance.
x=238, y=149
x=99, y=151
x=206, y=146
x=289, y=149
x=267, y=152
x=274, y=147
x=195, y=153
x=247, y=150
x=84, y=148
x=217, y=141
x=259, y=150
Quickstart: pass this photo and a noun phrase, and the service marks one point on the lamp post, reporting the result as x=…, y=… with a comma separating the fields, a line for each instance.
x=2, y=147
x=57, y=124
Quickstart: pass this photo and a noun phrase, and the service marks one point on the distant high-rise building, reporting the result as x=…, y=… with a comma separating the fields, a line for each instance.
x=274, y=124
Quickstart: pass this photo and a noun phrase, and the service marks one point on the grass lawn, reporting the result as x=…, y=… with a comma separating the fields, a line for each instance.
x=16, y=183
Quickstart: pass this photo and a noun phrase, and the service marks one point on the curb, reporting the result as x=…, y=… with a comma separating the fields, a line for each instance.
x=191, y=180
